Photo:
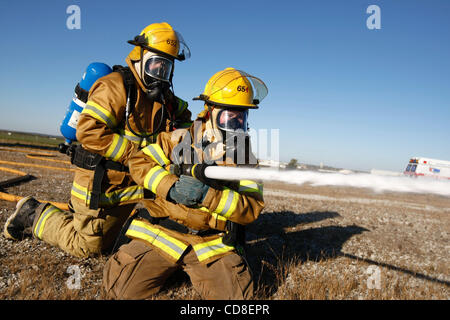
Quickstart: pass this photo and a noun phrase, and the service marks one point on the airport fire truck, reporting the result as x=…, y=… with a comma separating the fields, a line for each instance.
x=427, y=167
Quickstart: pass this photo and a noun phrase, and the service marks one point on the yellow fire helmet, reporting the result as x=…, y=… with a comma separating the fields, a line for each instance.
x=234, y=88
x=162, y=39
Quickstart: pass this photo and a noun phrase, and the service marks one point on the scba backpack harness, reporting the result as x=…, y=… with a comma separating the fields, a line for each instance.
x=78, y=155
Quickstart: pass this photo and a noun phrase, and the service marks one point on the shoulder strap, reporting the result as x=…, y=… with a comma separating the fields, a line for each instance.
x=128, y=81
x=81, y=93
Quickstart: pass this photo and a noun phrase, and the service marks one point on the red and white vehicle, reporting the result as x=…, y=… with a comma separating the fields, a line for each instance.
x=427, y=167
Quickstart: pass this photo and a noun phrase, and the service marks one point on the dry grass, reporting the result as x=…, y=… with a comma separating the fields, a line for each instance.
x=309, y=243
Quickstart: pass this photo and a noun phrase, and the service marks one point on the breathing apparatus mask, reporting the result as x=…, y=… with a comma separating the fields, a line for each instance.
x=229, y=128
x=232, y=120
x=234, y=127
x=156, y=74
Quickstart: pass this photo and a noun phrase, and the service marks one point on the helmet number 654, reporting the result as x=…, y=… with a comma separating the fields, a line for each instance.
x=242, y=88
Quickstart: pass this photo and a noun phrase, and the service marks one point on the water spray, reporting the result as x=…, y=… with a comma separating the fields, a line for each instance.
x=213, y=174
x=357, y=180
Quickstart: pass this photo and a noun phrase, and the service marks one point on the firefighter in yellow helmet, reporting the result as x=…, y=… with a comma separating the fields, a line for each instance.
x=153, y=58
x=194, y=224
x=125, y=111
x=228, y=96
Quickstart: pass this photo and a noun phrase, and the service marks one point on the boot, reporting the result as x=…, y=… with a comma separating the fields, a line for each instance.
x=19, y=224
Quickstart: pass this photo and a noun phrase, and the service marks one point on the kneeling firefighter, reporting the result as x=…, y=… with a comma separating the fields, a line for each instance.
x=195, y=224
x=125, y=110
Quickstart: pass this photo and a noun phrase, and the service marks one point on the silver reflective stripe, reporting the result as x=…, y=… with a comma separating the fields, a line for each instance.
x=251, y=188
x=103, y=116
x=119, y=196
x=132, y=138
x=142, y=142
x=112, y=198
x=210, y=248
x=83, y=193
x=227, y=203
x=116, y=150
x=156, y=237
x=154, y=176
x=155, y=155
x=116, y=196
x=51, y=209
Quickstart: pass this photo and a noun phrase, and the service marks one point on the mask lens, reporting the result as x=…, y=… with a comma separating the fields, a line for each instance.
x=159, y=68
x=232, y=120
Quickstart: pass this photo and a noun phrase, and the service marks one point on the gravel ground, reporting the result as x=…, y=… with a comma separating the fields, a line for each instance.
x=309, y=243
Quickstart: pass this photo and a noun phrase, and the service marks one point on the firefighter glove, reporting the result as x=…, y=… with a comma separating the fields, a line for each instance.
x=188, y=191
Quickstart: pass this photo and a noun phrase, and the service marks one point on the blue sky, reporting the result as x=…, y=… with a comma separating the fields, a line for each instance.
x=340, y=94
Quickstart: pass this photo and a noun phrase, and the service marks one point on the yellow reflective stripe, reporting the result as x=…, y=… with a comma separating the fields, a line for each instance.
x=218, y=216
x=109, y=198
x=117, y=148
x=129, y=135
x=135, y=139
x=154, y=177
x=155, y=152
x=79, y=191
x=100, y=113
x=213, y=214
x=250, y=186
x=227, y=203
x=156, y=237
x=209, y=249
x=127, y=194
x=39, y=228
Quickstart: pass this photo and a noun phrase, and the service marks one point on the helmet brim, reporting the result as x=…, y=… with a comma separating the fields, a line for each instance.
x=223, y=105
x=146, y=47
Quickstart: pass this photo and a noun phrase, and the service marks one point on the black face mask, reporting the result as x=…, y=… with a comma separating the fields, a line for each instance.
x=157, y=89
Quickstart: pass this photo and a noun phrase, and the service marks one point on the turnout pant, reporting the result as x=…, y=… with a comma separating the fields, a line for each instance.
x=137, y=271
x=82, y=233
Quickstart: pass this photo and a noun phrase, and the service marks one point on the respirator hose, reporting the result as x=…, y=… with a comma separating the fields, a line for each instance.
x=127, y=116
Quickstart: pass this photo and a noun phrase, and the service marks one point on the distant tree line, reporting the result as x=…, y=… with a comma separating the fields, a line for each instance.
x=292, y=165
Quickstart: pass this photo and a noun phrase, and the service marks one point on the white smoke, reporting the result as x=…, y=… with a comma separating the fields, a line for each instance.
x=357, y=180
